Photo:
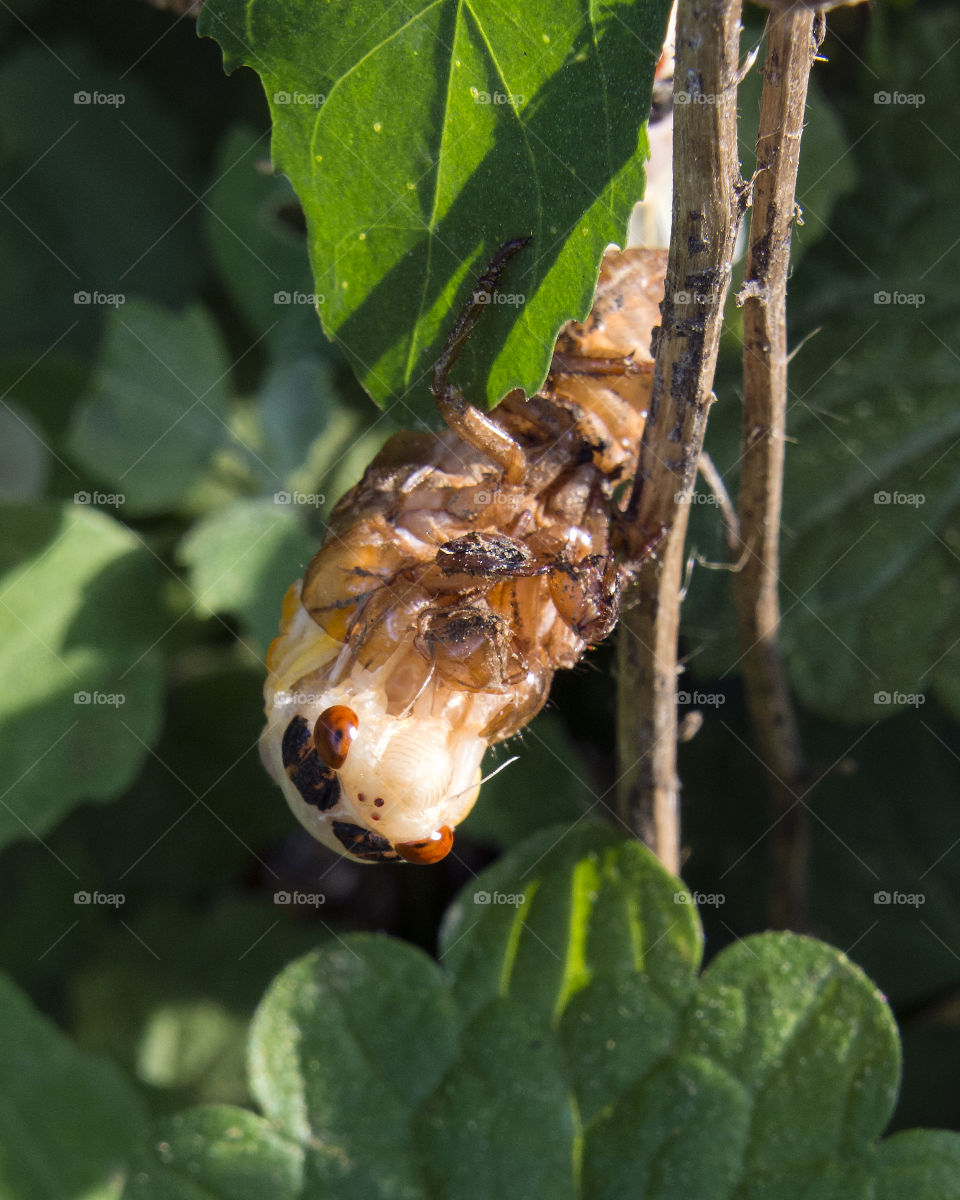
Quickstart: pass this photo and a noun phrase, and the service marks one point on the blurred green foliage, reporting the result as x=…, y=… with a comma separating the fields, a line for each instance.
x=147, y=445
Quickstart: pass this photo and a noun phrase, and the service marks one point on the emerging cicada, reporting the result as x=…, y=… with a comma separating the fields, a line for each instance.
x=461, y=571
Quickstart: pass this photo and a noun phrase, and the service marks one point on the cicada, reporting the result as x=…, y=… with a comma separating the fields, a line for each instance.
x=461, y=571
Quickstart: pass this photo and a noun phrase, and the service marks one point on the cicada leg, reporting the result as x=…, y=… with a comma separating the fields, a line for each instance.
x=473, y=426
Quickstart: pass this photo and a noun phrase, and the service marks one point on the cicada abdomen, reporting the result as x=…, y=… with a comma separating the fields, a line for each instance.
x=461, y=571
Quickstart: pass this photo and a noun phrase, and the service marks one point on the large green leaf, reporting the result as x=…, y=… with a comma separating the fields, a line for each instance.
x=870, y=548
x=419, y=141
x=565, y=1047
x=69, y=1122
x=79, y=617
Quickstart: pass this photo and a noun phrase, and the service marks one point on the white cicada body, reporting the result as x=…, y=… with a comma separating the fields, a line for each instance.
x=455, y=578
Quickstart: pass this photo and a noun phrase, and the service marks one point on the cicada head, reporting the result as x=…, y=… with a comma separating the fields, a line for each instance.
x=372, y=785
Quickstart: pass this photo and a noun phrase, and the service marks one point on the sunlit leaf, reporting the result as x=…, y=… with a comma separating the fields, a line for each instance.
x=421, y=141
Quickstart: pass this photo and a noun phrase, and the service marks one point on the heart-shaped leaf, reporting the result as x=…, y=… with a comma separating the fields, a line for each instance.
x=565, y=1047
x=421, y=140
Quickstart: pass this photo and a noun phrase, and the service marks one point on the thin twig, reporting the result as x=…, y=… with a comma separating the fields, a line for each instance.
x=793, y=38
x=714, y=481
x=708, y=202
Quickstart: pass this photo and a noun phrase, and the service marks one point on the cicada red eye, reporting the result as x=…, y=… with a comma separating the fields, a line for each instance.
x=429, y=850
x=333, y=734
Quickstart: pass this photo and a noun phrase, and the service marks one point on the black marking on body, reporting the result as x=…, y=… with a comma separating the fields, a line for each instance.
x=314, y=780
x=363, y=843
x=488, y=554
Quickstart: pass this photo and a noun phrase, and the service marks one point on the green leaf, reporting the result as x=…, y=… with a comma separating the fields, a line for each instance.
x=69, y=1122
x=219, y=1153
x=81, y=698
x=566, y=1048
x=243, y=558
x=420, y=142
x=870, y=593
x=155, y=411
